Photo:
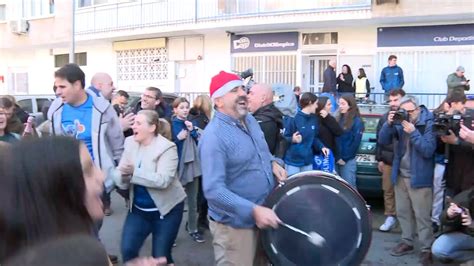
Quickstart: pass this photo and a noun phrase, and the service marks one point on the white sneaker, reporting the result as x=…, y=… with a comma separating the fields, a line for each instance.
x=389, y=223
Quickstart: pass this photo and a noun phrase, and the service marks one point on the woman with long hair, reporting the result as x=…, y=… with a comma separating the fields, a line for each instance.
x=362, y=85
x=49, y=188
x=200, y=115
x=302, y=132
x=148, y=165
x=348, y=143
x=345, y=80
x=329, y=128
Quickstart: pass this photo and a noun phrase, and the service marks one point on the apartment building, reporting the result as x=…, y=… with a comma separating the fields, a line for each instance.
x=177, y=45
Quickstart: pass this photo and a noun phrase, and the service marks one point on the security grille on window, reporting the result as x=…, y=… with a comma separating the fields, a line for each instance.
x=319, y=38
x=269, y=68
x=62, y=59
x=142, y=64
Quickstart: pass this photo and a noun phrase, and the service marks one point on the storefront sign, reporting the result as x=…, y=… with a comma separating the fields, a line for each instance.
x=266, y=42
x=441, y=35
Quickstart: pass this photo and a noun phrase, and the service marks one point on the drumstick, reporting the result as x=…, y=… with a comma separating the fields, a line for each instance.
x=313, y=237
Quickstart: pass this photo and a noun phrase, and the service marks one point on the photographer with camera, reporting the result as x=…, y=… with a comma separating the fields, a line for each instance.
x=412, y=173
x=459, y=172
x=457, y=241
x=384, y=155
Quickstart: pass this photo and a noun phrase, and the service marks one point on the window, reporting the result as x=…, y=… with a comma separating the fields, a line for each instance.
x=3, y=15
x=42, y=102
x=26, y=105
x=18, y=83
x=32, y=8
x=268, y=68
x=62, y=59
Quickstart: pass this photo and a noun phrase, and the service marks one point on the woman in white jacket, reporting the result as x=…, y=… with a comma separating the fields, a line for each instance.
x=149, y=165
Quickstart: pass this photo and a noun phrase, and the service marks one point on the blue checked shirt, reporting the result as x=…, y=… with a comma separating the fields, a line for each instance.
x=236, y=169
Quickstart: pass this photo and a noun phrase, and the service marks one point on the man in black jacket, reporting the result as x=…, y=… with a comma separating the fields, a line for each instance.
x=384, y=155
x=329, y=78
x=270, y=119
x=459, y=173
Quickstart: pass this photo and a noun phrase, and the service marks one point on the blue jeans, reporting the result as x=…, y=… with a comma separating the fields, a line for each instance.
x=454, y=246
x=139, y=224
x=348, y=172
x=291, y=170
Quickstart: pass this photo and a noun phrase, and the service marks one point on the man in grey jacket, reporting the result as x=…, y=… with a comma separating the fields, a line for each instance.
x=88, y=118
x=457, y=81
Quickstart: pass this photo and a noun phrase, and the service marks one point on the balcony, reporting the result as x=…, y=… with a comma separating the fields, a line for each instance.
x=146, y=13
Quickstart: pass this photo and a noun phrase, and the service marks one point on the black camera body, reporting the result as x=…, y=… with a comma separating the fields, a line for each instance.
x=400, y=116
x=444, y=122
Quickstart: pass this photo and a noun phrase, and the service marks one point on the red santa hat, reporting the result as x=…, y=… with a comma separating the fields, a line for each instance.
x=224, y=82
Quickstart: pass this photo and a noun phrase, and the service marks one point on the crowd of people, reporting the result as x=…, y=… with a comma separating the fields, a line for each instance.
x=57, y=181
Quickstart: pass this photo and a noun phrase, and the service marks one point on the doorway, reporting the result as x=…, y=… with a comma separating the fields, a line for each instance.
x=313, y=71
x=185, y=77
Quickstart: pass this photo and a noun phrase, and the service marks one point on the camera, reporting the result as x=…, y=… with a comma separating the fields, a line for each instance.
x=247, y=77
x=400, y=116
x=444, y=122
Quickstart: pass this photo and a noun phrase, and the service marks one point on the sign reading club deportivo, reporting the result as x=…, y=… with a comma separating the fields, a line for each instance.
x=439, y=35
x=265, y=42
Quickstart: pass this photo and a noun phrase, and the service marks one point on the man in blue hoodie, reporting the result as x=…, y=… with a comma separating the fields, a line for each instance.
x=391, y=76
x=412, y=174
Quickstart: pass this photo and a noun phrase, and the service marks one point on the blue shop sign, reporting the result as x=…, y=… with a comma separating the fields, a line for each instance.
x=265, y=42
x=440, y=35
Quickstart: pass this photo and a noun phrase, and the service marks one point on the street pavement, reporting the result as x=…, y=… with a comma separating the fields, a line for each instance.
x=191, y=253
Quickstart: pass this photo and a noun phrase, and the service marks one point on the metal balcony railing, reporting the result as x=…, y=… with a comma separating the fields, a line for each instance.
x=145, y=13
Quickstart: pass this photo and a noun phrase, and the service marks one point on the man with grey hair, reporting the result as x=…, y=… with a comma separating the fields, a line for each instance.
x=457, y=81
x=412, y=173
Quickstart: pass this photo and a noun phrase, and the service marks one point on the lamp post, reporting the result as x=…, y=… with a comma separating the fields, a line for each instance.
x=73, y=33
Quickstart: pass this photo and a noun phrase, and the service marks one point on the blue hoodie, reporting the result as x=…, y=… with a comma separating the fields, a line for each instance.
x=348, y=143
x=301, y=154
x=177, y=126
x=392, y=78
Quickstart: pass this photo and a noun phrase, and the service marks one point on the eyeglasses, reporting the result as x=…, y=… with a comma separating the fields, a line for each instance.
x=410, y=111
x=148, y=97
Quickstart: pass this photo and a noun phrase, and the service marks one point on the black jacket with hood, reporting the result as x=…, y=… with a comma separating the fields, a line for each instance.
x=270, y=120
x=383, y=153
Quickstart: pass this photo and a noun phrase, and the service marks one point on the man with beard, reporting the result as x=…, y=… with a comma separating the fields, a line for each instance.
x=384, y=155
x=237, y=174
x=412, y=174
x=270, y=119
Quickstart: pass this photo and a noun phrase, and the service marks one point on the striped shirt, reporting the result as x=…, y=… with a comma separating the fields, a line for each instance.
x=236, y=169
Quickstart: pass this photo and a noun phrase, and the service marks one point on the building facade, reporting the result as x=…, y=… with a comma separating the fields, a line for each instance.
x=178, y=45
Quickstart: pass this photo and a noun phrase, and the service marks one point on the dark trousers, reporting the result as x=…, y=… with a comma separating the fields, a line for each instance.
x=164, y=229
x=106, y=199
x=202, y=206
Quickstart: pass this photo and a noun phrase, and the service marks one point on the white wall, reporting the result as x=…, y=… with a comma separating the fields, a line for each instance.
x=100, y=58
x=38, y=63
x=216, y=58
